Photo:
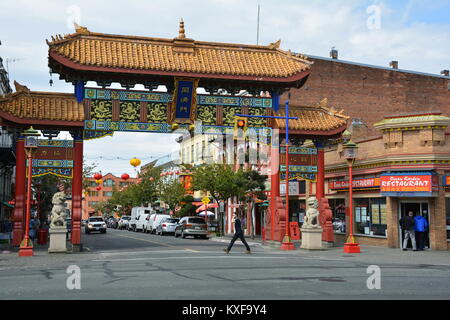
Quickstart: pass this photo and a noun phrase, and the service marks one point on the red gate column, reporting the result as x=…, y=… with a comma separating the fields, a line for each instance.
x=274, y=185
x=19, y=205
x=77, y=188
x=320, y=185
x=326, y=218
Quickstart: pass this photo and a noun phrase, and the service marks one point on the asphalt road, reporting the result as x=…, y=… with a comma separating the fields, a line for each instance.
x=129, y=265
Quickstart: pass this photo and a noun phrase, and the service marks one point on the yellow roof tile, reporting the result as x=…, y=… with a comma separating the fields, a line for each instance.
x=26, y=104
x=177, y=55
x=312, y=118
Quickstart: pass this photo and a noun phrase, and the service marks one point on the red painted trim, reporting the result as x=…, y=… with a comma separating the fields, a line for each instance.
x=76, y=66
x=316, y=132
x=16, y=119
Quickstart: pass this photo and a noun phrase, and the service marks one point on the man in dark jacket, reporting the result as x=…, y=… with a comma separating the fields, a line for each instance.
x=238, y=233
x=420, y=226
x=407, y=223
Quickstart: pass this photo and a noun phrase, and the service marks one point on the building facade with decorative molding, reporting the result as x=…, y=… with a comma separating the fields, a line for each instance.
x=405, y=168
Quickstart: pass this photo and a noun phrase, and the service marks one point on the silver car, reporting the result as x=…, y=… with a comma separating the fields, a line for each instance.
x=167, y=225
x=191, y=226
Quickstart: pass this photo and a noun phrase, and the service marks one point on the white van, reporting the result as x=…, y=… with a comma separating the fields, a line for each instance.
x=142, y=219
x=136, y=220
x=150, y=221
x=132, y=223
x=158, y=219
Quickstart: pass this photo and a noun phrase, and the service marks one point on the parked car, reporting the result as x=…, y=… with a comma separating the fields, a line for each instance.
x=164, y=223
x=123, y=222
x=95, y=224
x=191, y=226
x=142, y=219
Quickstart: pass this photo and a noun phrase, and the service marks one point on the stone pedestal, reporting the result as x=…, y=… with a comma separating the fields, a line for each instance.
x=58, y=240
x=311, y=238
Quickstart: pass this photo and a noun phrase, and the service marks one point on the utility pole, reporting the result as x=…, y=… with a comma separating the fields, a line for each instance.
x=257, y=26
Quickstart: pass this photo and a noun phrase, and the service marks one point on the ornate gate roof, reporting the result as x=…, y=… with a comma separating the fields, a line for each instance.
x=86, y=51
x=45, y=108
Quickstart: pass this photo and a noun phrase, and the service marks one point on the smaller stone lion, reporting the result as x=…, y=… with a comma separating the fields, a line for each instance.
x=58, y=218
x=312, y=214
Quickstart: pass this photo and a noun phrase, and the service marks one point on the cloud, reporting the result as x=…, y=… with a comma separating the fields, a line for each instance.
x=310, y=27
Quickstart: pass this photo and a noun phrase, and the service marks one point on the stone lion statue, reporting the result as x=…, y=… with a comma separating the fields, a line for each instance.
x=312, y=214
x=58, y=218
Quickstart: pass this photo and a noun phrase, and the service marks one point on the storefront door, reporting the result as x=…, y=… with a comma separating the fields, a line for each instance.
x=417, y=207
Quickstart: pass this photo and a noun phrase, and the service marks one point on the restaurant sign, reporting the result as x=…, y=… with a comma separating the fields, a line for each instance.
x=357, y=184
x=422, y=184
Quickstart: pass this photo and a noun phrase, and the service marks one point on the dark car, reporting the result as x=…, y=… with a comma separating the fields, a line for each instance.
x=192, y=226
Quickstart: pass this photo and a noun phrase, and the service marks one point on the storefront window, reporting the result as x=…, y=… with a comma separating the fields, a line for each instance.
x=447, y=210
x=338, y=209
x=370, y=216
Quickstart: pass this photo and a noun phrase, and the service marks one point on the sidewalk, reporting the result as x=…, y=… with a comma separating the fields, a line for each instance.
x=369, y=254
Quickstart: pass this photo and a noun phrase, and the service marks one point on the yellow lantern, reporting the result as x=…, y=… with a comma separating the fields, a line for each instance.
x=135, y=162
x=98, y=181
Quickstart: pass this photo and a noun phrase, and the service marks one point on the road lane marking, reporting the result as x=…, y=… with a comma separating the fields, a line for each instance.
x=155, y=242
x=190, y=257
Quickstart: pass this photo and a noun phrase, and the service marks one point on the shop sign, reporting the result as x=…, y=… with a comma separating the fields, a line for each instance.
x=357, y=184
x=408, y=184
x=446, y=182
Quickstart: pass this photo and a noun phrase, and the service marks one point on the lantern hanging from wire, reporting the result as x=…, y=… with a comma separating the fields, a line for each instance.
x=135, y=162
x=98, y=188
x=98, y=176
x=125, y=176
x=99, y=181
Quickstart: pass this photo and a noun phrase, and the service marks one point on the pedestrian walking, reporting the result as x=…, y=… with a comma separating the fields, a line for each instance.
x=420, y=227
x=238, y=233
x=33, y=228
x=407, y=224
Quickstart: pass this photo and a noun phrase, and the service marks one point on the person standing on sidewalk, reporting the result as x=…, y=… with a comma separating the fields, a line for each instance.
x=238, y=233
x=420, y=226
x=407, y=223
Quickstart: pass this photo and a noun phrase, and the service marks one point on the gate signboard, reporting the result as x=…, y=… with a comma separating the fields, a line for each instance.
x=53, y=157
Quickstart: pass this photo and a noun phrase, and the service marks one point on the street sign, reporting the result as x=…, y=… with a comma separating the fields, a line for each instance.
x=206, y=200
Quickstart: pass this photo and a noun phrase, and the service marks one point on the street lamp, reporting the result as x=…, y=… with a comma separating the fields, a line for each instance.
x=31, y=144
x=350, y=153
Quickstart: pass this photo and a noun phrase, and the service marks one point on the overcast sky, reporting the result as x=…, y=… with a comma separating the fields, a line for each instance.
x=414, y=32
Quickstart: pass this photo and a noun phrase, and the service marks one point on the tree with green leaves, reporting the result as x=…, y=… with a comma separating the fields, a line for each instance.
x=187, y=207
x=220, y=181
x=252, y=185
x=171, y=192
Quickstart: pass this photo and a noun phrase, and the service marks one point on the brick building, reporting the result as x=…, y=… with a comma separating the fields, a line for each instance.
x=368, y=93
x=406, y=168
x=399, y=119
x=92, y=196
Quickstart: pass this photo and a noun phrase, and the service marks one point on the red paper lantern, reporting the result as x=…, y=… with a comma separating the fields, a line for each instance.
x=98, y=188
x=97, y=176
x=125, y=176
